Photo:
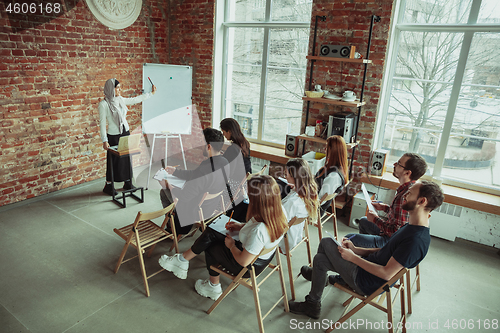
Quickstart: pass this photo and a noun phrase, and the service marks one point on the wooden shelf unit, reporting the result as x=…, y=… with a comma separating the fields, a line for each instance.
x=357, y=104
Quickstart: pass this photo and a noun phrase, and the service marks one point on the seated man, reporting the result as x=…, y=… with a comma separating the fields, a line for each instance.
x=373, y=230
x=210, y=176
x=365, y=270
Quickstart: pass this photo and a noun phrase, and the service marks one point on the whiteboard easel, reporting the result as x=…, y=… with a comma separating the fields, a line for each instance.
x=166, y=137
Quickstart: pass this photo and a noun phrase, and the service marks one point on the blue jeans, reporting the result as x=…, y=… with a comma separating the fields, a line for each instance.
x=369, y=235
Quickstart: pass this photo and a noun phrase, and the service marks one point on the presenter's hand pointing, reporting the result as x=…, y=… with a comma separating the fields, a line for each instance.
x=105, y=145
x=154, y=89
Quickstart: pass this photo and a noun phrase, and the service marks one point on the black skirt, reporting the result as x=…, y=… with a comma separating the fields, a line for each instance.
x=122, y=168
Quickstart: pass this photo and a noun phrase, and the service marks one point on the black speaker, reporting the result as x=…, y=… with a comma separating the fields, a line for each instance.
x=337, y=51
x=291, y=145
x=377, y=165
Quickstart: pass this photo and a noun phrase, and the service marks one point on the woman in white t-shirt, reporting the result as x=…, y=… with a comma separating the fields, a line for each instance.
x=265, y=228
x=301, y=201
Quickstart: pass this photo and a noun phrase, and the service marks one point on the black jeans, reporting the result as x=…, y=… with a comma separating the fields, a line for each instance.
x=216, y=253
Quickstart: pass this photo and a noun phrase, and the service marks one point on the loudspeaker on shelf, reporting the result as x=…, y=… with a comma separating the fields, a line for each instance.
x=337, y=51
x=291, y=145
x=377, y=164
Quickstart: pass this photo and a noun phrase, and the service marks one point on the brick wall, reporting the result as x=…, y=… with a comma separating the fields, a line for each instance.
x=52, y=73
x=347, y=23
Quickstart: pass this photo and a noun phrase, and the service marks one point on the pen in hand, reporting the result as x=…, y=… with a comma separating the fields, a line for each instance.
x=227, y=224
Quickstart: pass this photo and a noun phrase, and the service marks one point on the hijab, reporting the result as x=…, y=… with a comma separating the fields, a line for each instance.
x=116, y=103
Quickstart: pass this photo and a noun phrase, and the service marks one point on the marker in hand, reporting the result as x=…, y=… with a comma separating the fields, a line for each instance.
x=150, y=81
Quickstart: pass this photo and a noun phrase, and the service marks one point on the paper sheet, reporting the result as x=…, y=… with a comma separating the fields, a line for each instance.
x=367, y=198
x=283, y=180
x=219, y=225
x=171, y=179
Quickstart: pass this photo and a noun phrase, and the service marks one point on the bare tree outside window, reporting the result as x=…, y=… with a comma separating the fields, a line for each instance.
x=422, y=98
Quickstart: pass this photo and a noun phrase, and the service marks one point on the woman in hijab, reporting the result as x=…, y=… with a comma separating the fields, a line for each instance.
x=113, y=110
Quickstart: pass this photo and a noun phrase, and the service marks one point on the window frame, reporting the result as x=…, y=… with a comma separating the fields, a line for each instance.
x=222, y=26
x=468, y=30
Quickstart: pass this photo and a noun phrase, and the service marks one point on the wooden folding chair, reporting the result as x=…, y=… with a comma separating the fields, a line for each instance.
x=322, y=218
x=144, y=233
x=377, y=300
x=254, y=285
x=305, y=239
x=409, y=285
x=203, y=221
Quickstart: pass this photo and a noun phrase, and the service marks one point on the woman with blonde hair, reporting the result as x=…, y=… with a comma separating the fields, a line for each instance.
x=302, y=200
x=331, y=178
x=265, y=228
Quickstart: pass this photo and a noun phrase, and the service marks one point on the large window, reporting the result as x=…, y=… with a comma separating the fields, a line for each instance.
x=442, y=89
x=264, y=49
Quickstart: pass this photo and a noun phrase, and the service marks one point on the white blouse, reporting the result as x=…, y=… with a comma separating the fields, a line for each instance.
x=105, y=114
x=294, y=206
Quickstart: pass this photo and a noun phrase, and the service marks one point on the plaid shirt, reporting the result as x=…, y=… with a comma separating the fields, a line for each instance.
x=396, y=216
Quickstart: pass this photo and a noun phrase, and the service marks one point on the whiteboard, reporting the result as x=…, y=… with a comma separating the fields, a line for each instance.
x=169, y=111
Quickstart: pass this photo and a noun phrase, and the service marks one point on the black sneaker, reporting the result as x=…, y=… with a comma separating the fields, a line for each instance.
x=336, y=279
x=108, y=189
x=308, y=308
x=128, y=185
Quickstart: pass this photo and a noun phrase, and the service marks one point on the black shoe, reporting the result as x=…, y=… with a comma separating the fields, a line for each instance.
x=108, y=189
x=308, y=308
x=336, y=279
x=307, y=272
x=128, y=185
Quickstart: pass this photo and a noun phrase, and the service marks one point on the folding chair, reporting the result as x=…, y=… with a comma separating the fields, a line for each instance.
x=377, y=300
x=144, y=233
x=202, y=222
x=252, y=284
x=409, y=285
x=322, y=218
x=288, y=254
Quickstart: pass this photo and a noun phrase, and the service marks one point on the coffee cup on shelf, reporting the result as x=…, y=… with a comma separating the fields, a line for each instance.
x=348, y=94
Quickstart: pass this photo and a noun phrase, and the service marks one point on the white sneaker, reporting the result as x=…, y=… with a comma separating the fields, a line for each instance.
x=175, y=265
x=205, y=289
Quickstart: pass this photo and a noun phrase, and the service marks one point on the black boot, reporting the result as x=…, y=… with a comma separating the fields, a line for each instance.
x=307, y=272
x=336, y=279
x=308, y=308
x=108, y=189
x=128, y=185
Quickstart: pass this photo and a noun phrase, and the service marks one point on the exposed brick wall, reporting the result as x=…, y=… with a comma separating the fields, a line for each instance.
x=52, y=73
x=347, y=23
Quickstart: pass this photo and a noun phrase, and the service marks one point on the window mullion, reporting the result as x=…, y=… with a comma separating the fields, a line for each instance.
x=263, y=82
x=455, y=91
x=452, y=106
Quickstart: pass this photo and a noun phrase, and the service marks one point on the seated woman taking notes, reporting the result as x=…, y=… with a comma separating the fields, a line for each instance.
x=332, y=177
x=265, y=228
x=302, y=200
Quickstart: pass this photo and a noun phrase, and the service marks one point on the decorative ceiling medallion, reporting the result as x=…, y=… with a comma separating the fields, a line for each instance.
x=115, y=14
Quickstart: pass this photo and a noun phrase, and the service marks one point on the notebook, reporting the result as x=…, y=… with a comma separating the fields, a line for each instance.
x=127, y=143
